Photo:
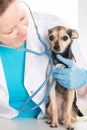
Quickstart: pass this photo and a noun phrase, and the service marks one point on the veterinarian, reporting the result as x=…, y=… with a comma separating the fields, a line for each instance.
x=22, y=73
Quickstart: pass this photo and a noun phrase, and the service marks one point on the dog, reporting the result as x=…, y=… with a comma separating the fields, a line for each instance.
x=62, y=107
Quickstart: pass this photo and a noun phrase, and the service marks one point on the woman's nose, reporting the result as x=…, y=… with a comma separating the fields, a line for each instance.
x=21, y=29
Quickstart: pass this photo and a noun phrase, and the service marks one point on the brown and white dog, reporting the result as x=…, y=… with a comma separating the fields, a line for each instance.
x=62, y=107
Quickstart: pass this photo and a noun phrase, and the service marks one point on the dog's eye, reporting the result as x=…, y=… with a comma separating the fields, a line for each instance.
x=51, y=37
x=65, y=38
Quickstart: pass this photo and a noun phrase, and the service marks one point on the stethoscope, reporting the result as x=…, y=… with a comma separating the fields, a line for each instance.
x=45, y=52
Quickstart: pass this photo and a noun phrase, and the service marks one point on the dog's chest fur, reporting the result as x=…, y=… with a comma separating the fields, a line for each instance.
x=67, y=54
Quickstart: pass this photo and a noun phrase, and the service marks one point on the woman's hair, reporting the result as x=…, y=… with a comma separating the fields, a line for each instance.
x=4, y=4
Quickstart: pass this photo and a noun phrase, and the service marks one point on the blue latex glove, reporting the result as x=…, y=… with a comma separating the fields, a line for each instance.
x=72, y=77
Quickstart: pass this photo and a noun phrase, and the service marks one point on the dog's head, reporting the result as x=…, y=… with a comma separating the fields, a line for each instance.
x=61, y=37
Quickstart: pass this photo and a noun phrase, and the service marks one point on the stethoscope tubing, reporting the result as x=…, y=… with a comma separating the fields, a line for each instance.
x=45, y=52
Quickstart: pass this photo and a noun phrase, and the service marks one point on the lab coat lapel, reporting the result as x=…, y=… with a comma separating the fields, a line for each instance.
x=3, y=85
x=35, y=66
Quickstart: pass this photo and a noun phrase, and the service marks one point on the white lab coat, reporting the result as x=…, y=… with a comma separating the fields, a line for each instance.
x=35, y=66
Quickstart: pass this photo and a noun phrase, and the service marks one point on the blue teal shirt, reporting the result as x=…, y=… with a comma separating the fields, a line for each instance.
x=14, y=63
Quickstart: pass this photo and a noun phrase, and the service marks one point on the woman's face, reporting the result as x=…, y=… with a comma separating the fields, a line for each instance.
x=13, y=26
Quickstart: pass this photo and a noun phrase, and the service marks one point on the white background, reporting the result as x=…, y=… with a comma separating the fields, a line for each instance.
x=65, y=9
x=82, y=26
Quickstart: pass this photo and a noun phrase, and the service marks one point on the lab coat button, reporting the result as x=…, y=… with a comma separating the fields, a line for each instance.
x=31, y=91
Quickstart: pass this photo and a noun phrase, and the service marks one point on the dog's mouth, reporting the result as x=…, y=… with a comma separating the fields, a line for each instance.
x=55, y=51
x=56, y=47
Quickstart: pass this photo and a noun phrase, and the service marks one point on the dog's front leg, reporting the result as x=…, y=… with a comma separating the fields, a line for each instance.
x=52, y=109
x=70, y=98
x=53, y=106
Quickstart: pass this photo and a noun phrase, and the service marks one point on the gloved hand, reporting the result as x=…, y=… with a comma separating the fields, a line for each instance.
x=72, y=77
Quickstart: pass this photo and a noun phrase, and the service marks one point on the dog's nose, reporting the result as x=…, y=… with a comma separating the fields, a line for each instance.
x=56, y=46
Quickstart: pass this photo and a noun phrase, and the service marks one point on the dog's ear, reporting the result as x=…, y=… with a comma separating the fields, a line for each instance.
x=75, y=34
x=72, y=33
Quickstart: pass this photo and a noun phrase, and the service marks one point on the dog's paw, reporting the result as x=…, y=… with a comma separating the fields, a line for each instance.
x=48, y=121
x=69, y=127
x=54, y=124
x=61, y=122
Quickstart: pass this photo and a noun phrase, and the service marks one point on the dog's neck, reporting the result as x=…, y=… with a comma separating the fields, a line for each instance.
x=67, y=54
